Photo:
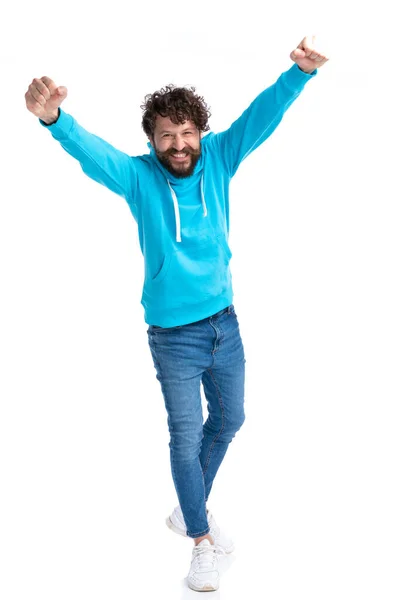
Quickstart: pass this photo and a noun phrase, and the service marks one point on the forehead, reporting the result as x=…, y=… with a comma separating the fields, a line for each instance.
x=165, y=124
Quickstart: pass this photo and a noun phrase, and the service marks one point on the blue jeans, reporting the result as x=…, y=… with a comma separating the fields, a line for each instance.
x=210, y=352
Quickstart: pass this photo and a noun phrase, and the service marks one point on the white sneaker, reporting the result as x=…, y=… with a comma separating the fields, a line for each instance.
x=223, y=544
x=203, y=575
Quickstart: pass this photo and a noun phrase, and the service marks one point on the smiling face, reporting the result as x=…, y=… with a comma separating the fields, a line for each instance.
x=177, y=145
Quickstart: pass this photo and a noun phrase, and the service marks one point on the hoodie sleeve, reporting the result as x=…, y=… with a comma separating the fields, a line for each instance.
x=260, y=119
x=98, y=159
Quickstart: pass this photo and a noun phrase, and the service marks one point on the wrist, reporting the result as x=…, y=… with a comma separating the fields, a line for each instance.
x=306, y=70
x=51, y=118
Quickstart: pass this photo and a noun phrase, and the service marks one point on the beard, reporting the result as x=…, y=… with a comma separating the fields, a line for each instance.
x=180, y=170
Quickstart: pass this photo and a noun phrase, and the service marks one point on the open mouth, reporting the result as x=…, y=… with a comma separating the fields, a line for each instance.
x=180, y=157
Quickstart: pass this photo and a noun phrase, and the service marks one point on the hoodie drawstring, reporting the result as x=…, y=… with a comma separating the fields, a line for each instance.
x=177, y=215
x=176, y=207
x=203, y=201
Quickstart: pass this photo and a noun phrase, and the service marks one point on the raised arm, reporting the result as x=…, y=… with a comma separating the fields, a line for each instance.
x=98, y=159
x=264, y=114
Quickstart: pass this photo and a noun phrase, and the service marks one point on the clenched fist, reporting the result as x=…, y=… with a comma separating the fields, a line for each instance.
x=307, y=57
x=43, y=99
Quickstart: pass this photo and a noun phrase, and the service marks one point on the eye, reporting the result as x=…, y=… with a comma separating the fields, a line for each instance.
x=188, y=132
x=166, y=135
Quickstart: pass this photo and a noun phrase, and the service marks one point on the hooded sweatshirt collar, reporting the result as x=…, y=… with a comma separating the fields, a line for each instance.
x=173, y=181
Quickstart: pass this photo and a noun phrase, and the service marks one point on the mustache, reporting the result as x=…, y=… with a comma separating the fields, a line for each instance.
x=186, y=150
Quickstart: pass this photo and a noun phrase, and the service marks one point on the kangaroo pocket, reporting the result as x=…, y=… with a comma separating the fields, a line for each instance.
x=190, y=275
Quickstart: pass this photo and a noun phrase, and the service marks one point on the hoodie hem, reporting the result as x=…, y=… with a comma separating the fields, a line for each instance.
x=190, y=314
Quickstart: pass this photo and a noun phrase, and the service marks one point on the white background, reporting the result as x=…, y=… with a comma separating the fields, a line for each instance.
x=310, y=486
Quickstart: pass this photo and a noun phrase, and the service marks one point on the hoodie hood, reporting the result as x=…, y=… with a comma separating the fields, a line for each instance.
x=175, y=182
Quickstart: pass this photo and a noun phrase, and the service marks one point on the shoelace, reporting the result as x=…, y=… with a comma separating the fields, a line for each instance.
x=204, y=557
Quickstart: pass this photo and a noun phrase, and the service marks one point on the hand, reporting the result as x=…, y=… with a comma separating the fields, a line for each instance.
x=43, y=98
x=306, y=57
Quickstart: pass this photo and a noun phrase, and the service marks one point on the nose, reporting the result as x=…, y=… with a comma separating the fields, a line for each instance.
x=179, y=142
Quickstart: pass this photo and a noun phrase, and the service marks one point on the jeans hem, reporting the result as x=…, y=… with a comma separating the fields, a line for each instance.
x=197, y=535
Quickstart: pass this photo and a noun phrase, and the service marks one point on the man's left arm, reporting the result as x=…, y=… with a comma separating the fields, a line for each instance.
x=264, y=114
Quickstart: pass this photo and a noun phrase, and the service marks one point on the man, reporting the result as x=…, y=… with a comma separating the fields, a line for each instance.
x=179, y=196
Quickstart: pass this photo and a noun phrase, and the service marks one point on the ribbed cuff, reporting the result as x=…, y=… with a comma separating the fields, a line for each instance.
x=61, y=128
x=296, y=79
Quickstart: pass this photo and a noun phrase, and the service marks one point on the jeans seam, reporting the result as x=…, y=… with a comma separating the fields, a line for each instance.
x=155, y=357
x=221, y=404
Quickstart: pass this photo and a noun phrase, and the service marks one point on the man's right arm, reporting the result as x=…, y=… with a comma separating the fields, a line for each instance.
x=98, y=159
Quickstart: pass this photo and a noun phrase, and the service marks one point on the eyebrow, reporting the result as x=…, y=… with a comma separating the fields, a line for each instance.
x=169, y=131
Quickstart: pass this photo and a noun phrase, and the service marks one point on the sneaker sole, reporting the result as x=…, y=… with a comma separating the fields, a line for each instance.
x=206, y=588
x=174, y=528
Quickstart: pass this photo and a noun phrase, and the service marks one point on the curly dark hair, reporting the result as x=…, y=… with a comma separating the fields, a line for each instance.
x=180, y=104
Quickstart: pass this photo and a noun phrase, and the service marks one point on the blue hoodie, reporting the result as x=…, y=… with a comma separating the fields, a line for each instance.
x=183, y=223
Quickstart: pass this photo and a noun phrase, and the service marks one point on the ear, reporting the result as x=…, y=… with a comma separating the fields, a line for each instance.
x=151, y=140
